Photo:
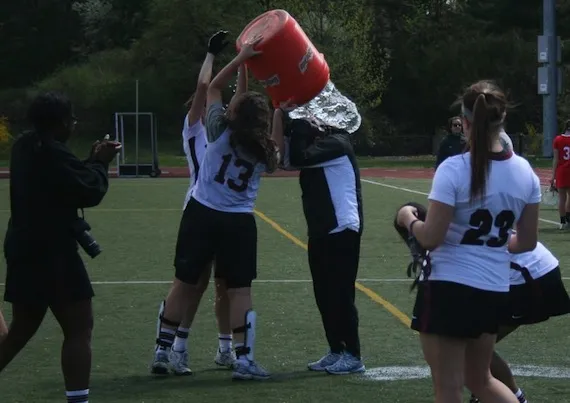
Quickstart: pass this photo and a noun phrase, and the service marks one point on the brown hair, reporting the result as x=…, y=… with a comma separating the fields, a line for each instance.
x=484, y=106
x=567, y=125
x=250, y=128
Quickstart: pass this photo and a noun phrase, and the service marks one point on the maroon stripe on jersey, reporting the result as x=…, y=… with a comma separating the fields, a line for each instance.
x=502, y=156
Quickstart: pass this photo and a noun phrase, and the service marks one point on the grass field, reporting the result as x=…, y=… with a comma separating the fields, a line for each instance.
x=136, y=225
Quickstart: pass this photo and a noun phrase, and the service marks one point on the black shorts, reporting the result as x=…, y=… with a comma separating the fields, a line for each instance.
x=47, y=279
x=228, y=238
x=538, y=300
x=450, y=309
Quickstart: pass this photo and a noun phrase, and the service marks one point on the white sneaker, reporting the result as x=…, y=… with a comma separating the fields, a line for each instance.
x=563, y=226
x=348, y=364
x=225, y=358
x=160, y=365
x=249, y=370
x=178, y=361
x=326, y=361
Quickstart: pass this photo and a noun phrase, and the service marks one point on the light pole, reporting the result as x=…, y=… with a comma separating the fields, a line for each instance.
x=548, y=77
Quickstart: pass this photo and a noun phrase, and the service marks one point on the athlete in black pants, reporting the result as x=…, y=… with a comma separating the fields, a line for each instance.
x=332, y=203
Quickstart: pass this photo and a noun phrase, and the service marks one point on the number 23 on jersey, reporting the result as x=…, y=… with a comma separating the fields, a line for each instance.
x=483, y=221
x=247, y=169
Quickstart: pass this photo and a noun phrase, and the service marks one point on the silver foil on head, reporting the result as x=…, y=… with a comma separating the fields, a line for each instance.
x=331, y=108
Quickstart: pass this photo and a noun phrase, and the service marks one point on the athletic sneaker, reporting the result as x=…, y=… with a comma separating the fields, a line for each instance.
x=326, y=361
x=249, y=370
x=225, y=358
x=178, y=361
x=563, y=226
x=160, y=364
x=347, y=364
x=474, y=399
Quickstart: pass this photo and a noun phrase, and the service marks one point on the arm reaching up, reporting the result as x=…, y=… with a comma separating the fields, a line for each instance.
x=242, y=80
x=222, y=79
x=215, y=45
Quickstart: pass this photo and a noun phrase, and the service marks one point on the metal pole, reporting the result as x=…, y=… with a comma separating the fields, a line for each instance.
x=117, y=159
x=123, y=138
x=549, y=107
x=137, y=129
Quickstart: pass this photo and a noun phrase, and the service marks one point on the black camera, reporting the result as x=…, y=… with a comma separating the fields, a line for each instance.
x=81, y=230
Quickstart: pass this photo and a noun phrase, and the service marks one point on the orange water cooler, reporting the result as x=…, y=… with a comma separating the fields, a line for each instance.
x=290, y=67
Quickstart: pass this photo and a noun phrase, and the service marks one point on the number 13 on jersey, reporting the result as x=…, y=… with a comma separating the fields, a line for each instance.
x=483, y=221
x=247, y=169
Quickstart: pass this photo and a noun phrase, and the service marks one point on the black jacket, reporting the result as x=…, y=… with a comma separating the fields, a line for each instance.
x=451, y=145
x=311, y=144
x=48, y=184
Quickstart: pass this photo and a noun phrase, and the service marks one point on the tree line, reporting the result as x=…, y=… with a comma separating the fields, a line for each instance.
x=402, y=61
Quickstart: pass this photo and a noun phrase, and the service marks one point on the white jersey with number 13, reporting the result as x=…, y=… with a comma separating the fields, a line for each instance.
x=228, y=179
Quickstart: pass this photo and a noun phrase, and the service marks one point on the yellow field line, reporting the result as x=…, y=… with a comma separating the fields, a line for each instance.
x=401, y=316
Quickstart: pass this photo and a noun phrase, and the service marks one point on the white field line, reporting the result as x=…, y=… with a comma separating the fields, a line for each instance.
x=425, y=194
x=396, y=373
x=261, y=281
x=264, y=281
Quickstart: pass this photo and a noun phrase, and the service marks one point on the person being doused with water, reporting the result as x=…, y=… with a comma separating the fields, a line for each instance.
x=332, y=203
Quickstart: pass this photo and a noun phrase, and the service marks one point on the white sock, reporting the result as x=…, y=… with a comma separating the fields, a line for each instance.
x=77, y=396
x=181, y=339
x=225, y=341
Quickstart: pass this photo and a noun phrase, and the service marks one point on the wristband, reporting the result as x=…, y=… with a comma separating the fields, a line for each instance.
x=411, y=226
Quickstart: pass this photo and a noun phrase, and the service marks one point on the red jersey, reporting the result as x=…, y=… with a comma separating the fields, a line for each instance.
x=562, y=147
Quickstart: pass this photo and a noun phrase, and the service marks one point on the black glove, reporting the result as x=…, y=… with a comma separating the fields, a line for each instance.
x=217, y=42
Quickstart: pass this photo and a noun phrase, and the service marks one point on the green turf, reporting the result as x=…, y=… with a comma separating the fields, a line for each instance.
x=137, y=224
x=170, y=155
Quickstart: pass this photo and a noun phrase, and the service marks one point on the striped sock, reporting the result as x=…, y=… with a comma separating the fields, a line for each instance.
x=225, y=341
x=181, y=339
x=520, y=396
x=77, y=396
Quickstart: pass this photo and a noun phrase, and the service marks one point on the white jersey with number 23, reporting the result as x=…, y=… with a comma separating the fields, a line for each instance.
x=474, y=252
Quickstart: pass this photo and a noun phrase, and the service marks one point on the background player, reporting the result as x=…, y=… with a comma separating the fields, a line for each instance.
x=561, y=174
x=537, y=293
x=453, y=143
x=195, y=143
x=475, y=200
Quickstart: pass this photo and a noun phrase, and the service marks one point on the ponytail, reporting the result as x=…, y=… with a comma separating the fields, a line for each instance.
x=484, y=106
x=480, y=144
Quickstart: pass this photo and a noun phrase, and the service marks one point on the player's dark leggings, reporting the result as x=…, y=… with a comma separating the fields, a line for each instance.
x=333, y=260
